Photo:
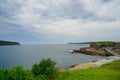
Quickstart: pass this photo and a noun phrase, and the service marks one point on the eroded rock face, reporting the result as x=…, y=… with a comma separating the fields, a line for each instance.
x=90, y=51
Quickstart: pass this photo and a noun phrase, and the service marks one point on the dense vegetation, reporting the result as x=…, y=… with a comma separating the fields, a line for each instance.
x=45, y=70
x=102, y=44
x=9, y=43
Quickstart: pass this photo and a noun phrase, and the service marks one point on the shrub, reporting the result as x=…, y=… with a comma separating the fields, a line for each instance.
x=4, y=74
x=16, y=73
x=45, y=70
x=46, y=67
x=40, y=77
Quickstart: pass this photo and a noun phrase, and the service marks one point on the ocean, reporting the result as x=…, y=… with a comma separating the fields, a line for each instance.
x=29, y=54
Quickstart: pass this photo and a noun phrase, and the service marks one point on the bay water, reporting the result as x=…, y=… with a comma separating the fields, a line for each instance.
x=27, y=55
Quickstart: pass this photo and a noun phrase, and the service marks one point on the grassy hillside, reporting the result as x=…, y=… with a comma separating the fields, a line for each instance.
x=109, y=71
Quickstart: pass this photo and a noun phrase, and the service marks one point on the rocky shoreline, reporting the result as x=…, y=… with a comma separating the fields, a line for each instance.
x=106, y=48
x=90, y=51
x=91, y=64
x=96, y=63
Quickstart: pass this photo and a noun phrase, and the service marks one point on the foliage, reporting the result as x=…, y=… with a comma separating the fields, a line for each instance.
x=102, y=44
x=16, y=73
x=46, y=67
x=41, y=77
x=4, y=74
x=45, y=70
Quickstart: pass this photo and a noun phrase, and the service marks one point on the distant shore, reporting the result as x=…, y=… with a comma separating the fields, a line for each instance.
x=3, y=43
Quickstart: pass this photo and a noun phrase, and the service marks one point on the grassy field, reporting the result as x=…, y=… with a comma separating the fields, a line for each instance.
x=109, y=71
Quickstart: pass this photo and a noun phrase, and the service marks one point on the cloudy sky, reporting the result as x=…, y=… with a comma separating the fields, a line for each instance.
x=59, y=21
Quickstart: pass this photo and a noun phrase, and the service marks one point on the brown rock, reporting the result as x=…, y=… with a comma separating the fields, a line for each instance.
x=90, y=51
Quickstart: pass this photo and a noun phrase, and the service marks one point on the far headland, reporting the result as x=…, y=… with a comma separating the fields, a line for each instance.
x=2, y=43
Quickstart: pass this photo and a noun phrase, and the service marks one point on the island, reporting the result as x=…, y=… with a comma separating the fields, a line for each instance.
x=102, y=48
x=2, y=43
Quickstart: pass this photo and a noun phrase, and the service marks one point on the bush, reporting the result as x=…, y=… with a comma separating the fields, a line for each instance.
x=4, y=74
x=46, y=68
x=16, y=73
x=41, y=77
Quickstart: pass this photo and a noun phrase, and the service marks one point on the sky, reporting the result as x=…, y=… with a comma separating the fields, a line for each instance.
x=59, y=21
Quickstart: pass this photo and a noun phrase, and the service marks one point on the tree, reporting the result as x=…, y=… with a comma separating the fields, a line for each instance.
x=46, y=67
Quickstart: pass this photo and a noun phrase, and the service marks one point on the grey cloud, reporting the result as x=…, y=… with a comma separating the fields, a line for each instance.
x=69, y=17
x=104, y=1
x=72, y=9
x=9, y=8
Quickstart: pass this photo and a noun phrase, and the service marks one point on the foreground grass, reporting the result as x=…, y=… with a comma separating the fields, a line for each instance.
x=109, y=71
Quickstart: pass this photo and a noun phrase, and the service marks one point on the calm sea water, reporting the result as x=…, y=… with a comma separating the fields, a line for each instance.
x=27, y=55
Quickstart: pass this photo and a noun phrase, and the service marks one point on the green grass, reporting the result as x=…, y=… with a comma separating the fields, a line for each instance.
x=109, y=71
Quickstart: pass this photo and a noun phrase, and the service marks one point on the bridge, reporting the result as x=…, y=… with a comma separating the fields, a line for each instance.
x=110, y=53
